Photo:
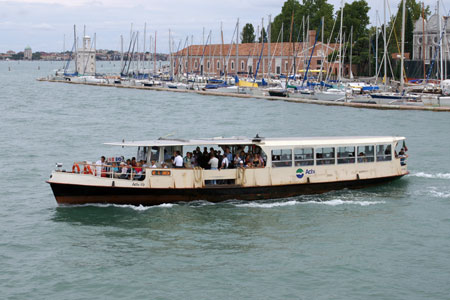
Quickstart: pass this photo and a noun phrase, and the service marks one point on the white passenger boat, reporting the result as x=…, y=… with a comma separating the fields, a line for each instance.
x=287, y=167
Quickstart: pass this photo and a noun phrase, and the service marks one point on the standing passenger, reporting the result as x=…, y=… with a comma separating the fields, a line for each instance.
x=214, y=163
x=178, y=160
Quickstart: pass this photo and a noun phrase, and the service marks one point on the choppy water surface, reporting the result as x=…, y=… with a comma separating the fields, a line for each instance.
x=387, y=242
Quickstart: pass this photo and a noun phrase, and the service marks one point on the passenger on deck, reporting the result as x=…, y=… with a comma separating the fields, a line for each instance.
x=193, y=160
x=257, y=161
x=100, y=166
x=178, y=160
x=242, y=155
x=153, y=164
x=225, y=163
x=236, y=161
x=138, y=171
x=187, y=161
x=143, y=163
x=402, y=155
x=124, y=171
x=228, y=154
x=214, y=163
x=133, y=162
x=114, y=170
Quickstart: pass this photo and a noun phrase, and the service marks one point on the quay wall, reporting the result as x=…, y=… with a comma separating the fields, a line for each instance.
x=270, y=98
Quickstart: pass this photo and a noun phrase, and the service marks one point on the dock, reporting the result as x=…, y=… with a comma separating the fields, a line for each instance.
x=270, y=98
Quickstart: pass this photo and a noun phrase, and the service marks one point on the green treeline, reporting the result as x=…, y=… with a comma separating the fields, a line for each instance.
x=308, y=14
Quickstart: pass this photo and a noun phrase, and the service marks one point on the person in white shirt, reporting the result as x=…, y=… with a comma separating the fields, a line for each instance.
x=99, y=165
x=124, y=171
x=178, y=160
x=214, y=163
x=225, y=162
x=153, y=164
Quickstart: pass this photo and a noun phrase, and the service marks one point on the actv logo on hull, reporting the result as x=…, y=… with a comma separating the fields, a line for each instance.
x=300, y=173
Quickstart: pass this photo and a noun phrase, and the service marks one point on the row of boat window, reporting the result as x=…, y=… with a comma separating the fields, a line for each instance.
x=329, y=155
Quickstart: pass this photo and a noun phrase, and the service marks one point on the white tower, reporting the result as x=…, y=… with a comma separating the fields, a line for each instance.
x=86, y=58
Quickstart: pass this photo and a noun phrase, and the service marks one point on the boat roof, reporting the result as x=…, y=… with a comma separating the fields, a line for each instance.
x=262, y=141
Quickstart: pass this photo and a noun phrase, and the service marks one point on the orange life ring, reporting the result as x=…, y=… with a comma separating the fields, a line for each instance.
x=75, y=167
x=88, y=170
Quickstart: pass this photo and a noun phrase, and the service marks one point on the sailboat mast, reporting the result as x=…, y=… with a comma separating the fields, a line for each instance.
x=76, y=47
x=143, y=51
x=423, y=40
x=402, y=78
x=376, y=48
x=341, y=61
x=290, y=40
x=268, y=52
x=170, y=53
x=262, y=42
x=154, y=57
x=385, y=48
x=441, y=34
x=282, y=47
x=351, y=50
x=237, y=48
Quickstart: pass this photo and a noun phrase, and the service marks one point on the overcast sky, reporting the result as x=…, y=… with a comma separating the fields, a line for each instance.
x=42, y=24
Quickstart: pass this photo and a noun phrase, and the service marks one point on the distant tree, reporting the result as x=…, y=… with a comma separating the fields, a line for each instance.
x=314, y=9
x=356, y=16
x=414, y=10
x=409, y=36
x=248, y=34
x=36, y=56
x=17, y=56
x=263, y=33
x=333, y=56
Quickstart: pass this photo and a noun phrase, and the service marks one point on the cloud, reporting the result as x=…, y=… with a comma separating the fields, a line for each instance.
x=42, y=26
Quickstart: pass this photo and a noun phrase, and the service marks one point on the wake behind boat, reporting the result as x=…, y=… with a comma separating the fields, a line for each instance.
x=231, y=168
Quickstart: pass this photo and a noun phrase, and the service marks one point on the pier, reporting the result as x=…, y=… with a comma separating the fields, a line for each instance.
x=270, y=98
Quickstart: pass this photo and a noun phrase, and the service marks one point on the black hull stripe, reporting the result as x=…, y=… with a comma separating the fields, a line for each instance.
x=83, y=194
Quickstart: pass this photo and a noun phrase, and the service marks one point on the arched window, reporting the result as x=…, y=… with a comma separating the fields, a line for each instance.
x=420, y=53
x=232, y=65
x=207, y=64
x=218, y=65
x=242, y=65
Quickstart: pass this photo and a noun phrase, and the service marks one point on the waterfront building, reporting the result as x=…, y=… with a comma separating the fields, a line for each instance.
x=27, y=53
x=426, y=39
x=218, y=59
x=86, y=58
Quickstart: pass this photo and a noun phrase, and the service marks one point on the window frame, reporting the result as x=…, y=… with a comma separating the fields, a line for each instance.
x=304, y=161
x=347, y=159
x=383, y=156
x=325, y=160
x=365, y=158
x=281, y=163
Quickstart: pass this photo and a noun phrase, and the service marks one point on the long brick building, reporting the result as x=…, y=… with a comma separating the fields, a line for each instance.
x=218, y=59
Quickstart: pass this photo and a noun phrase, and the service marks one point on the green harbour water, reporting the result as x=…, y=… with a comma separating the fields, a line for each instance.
x=385, y=242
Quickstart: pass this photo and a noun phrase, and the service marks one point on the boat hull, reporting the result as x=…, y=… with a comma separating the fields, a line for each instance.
x=85, y=194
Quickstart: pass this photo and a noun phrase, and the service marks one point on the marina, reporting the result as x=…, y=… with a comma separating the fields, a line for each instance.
x=273, y=98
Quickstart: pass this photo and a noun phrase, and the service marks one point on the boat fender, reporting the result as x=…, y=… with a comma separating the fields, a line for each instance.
x=76, y=168
x=113, y=183
x=357, y=177
x=307, y=180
